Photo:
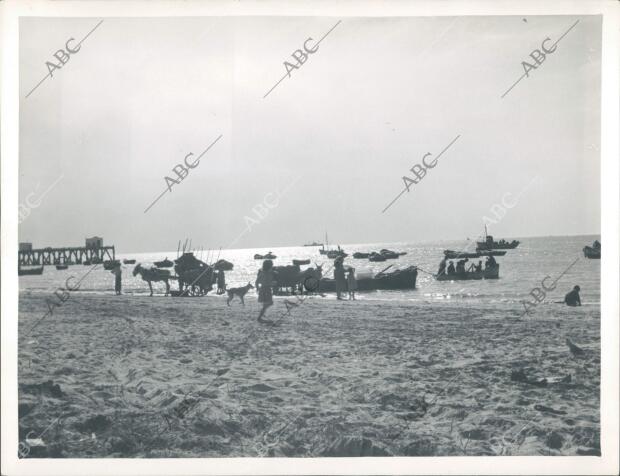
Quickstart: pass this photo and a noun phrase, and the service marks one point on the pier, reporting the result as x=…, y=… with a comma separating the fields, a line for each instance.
x=71, y=255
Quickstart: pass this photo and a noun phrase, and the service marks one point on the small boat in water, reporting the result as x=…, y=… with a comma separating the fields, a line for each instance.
x=450, y=254
x=30, y=271
x=129, y=261
x=269, y=255
x=111, y=264
x=166, y=263
x=488, y=273
x=594, y=251
x=61, y=266
x=333, y=254
x=398, y=279
x=489, y=244
x=376, y=257
x=314, y=243
x=389, y=254
x=359, y=255
x=301, y=262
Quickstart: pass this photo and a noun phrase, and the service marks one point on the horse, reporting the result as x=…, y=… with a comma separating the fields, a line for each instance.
x=153, y=274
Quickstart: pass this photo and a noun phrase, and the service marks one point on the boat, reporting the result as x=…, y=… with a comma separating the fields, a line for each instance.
x=166, y=263
x=223, y=265
x=111, y=264
x=376, y=257
x=450, y=254
x=300, y=262
x=129, y=261
x=269, y=255
x=398, y=279
x=389, y=254
x=489, y=244
x=314, y=243
x=30, y=271
x=594, y=251
x=488, y=273
x=86, y=263
x=61, y=266
x=333, y=254
x=359, y=255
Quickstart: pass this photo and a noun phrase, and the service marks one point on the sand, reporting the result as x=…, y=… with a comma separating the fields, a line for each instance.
x=130, y=376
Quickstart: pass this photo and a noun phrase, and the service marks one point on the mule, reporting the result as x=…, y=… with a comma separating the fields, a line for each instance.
x=153, y=274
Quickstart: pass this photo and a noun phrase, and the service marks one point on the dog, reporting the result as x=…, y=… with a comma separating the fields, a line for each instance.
x=241, y=292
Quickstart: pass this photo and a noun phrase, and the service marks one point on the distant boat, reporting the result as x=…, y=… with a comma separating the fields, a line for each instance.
x=489, y=273
x=389, y=254
x=450, y=254
x=30, y=271
x=314, y=243
x=359, y=255
x=399, y=279
x=375, y=257
x=489, y=244
x=166, y=263
x=594, y=251
x=269, y=255
x=62, y=266
x=129, y=261
x=300, y=262
x=111, y=264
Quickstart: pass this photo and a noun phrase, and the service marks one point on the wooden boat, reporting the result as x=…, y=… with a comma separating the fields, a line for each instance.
x=30, y=271
x=489, y=273
x=490, y=244
x=129, y=261
x=111, y=264
x=399, y=279
x=166, y=263
x=300, y=262
x=389, y=254
x=223, y=265
x=333, y=254
x=358, y=255
x=450, y=254
x=314, y=243
x=62, y=266
x=591, y=253
x=269, y=255
x=376, y=257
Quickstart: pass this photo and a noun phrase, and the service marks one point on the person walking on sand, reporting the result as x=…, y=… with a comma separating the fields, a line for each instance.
x=116, y=271
x=351, y=283
x=341, y=282
x=572, y=298
x=265, y=280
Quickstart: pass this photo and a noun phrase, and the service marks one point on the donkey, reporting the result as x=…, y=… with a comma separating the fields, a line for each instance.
x=153, y=274
x=309, y=278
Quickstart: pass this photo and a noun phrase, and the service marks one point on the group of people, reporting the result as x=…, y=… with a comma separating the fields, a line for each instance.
x=345, y=279
x=445, y=268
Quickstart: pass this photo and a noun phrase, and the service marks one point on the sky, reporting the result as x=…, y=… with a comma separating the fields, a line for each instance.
x=327, y=149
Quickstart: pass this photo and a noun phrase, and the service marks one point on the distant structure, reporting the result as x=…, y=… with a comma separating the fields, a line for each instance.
x=94, y=242
x=94, y=252
x=25, y=246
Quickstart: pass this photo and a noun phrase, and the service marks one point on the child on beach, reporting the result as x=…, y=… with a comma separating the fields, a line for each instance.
x=351, y=283
x=265, y=280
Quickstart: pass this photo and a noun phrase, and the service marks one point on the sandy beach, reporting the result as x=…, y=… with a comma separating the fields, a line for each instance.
x=133, y=376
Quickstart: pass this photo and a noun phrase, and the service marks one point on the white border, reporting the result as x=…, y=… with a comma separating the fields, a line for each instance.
x=10, y=12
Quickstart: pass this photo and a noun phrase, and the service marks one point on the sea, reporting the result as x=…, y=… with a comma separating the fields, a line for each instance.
x=521, y=270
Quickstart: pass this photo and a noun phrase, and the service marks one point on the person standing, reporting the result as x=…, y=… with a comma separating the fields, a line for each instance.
x=116, y=271
x=265, y=281
x=351, y=283
x=341, y=282
x=221, y=282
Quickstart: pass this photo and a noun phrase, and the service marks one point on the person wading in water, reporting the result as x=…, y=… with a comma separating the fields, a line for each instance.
x=265, y=281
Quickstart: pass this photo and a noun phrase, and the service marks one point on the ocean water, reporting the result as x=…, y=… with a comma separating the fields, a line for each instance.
x=521, y=270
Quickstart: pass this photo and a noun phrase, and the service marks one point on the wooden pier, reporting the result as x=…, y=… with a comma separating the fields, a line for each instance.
x=76, y=255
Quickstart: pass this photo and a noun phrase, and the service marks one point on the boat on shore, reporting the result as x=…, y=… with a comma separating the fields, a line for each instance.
x=129, y=261
x=32, y=271
x=398, y=279
x=450, y=254
x=488, y=273
x=359, y=255
x=62, y=266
